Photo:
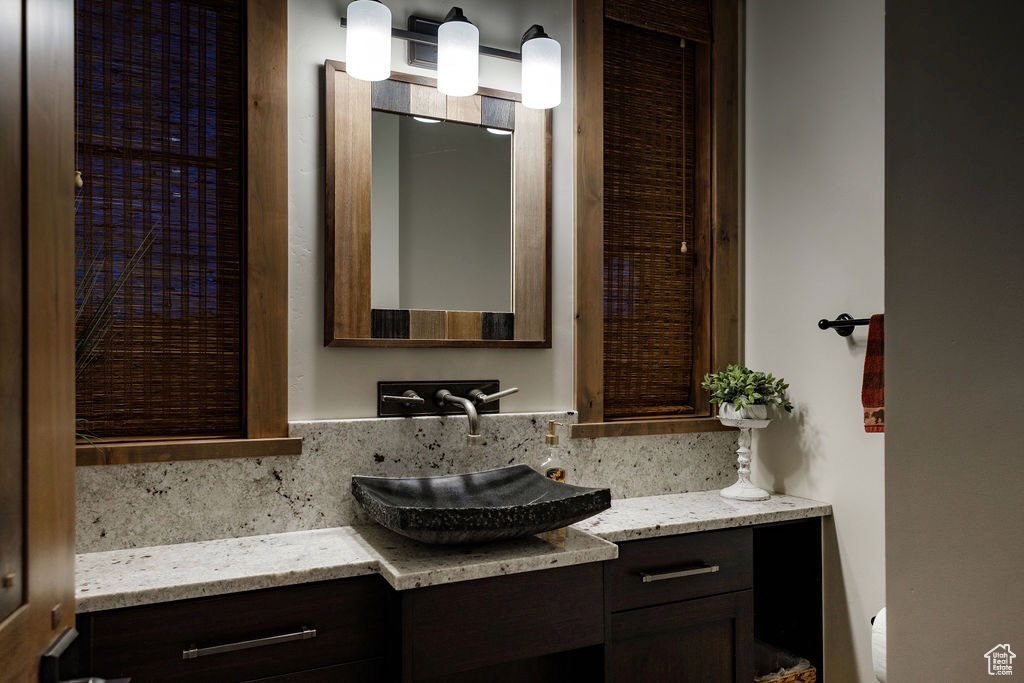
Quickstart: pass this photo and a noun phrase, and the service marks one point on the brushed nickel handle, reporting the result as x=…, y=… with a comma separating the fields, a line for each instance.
x=408, y=398
x=480, y=397
x=195, y=652
x=647, y=578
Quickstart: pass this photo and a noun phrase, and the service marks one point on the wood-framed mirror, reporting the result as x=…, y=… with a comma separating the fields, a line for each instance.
x=356, y=313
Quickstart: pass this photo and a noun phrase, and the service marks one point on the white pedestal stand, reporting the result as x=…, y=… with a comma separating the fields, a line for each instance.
x=743, y=489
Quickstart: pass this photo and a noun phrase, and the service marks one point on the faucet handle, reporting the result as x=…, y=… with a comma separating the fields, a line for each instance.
x=408, y=398
x=480, y=397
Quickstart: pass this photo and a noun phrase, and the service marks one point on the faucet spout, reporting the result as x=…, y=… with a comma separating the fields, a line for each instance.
x=473, y=436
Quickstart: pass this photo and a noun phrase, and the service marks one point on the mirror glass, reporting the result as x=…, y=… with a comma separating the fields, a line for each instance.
x=441, y=215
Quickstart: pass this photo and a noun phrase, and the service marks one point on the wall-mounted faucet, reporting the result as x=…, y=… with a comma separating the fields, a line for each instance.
x=440, y=398
x=473, y=436
x=476, y=397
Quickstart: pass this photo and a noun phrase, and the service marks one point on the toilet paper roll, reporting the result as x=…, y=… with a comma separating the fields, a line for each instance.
x=878, y=645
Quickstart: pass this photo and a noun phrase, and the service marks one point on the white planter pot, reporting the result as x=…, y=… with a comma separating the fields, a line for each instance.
x=751, y=417
x=728, y=411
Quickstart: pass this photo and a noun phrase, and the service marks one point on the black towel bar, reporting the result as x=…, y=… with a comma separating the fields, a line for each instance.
x=843, y=324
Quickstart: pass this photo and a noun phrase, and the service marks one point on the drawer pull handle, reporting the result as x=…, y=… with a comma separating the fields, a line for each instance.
x=195, y=652
x=647, y=578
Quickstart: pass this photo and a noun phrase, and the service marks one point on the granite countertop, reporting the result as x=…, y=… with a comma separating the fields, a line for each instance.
x=631, y=519
x=140, y=576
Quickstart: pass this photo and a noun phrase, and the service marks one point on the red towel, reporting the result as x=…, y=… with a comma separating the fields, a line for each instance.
x=872, y=394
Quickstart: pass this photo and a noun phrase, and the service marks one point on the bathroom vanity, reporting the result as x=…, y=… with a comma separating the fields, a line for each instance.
x=658, y=588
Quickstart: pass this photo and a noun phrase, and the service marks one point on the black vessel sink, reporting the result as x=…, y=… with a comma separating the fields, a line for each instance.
x=508, y=502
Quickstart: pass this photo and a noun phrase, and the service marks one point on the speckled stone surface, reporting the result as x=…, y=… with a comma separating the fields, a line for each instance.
x=651, y=516
x=134, y=506
x=124, y=578
x=127, y=578
x=408, y=564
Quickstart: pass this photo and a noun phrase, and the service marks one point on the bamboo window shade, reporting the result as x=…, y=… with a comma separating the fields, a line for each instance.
x=649, y=211
x=160, y=124
x=689, y=19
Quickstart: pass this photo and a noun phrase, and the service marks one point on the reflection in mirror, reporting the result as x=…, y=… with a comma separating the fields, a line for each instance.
x=441, y=215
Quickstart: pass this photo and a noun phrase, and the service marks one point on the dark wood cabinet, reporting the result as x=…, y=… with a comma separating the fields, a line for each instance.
x=537, y=626
x=673, y=608
x=330, y=631
x=681, y=608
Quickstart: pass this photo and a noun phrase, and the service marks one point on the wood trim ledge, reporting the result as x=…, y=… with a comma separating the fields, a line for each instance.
x=593, y=430
x=199, y=449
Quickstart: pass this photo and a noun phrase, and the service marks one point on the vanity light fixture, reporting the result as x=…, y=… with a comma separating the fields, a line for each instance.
x=542, y=69
x=457, y=51
x=368, y=43
x=458, y=55
x=426, y=119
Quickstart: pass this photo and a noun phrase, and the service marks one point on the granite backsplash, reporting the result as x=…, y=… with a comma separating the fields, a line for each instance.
x=129, y=506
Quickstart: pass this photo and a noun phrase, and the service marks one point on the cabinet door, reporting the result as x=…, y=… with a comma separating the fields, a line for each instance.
x=708, y=640
x=37, y=476
x=451, y=632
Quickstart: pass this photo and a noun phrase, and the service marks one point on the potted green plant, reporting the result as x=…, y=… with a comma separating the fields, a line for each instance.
x=742, y=393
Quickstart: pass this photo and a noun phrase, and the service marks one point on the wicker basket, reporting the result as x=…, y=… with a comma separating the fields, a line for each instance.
x=809, y=675
x=778, y=666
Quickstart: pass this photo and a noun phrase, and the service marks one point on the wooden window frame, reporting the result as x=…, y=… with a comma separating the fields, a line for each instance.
x=265, y=330
x=722, y=336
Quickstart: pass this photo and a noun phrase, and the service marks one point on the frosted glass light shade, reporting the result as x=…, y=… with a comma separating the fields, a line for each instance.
x=458, y=58
x=542, y=73
x=368, y=41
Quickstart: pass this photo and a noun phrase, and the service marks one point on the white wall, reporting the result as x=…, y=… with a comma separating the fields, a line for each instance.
x=954, y=282
x=814, y=248
x=338, y=382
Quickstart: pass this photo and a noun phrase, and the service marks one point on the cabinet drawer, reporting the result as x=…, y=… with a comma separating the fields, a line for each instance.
x=463, y=626
x=262, y=629
x=659, y=570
